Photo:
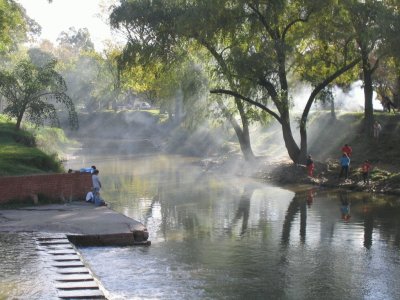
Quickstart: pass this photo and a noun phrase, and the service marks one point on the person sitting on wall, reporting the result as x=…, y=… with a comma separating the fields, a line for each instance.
x=88, y=170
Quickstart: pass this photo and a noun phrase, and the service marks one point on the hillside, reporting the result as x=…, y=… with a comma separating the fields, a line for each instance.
x=19, y=154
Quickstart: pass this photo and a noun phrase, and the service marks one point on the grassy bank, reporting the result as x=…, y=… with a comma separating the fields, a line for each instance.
x=20, y=153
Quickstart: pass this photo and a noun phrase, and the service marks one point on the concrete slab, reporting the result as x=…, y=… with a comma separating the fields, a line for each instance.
x=77, y=219
x=77, y=285
x=62, y=252
x=67, y=264
x=75, y=277
x=81, y=294
x=73, y=270
x=69, y=257
x=72, y=218
x=54, y=243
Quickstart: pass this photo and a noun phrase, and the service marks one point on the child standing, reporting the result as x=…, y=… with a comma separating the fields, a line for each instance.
x=366, y=168
x=310, y=166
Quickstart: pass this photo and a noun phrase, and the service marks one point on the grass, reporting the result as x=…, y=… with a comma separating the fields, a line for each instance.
x=19, y=154
x=326, y=137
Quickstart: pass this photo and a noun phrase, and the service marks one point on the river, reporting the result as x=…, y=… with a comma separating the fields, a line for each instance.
x=219, y=236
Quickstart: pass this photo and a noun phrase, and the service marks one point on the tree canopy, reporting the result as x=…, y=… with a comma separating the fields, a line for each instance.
x=33, y=91
x=253, y=44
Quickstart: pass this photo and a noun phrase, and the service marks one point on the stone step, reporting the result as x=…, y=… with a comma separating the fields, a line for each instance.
x=81, y=294
x=69, y=257
x=74, y=277
x=62, y=252
x=61, y=238
x=76, y=270
x=76, y=285
x=67, y=264
x=58, y=247
x=54, y=242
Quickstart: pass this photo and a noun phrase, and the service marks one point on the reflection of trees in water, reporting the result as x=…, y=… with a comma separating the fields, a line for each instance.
x=243, y=210
x=382, y=218
x=375, y=216
x=298, y=204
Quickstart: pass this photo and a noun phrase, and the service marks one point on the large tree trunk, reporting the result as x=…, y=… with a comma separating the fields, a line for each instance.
x=368, y=92
x=291, y=145
x=243, y=135
x=396, y=92
x=333, y=112
x=19, y=120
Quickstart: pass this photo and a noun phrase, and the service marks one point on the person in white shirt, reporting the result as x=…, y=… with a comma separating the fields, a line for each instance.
x=96, y=188
x=377, y=129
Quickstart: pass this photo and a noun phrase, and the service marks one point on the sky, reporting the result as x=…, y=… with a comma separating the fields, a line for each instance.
x=60, y=15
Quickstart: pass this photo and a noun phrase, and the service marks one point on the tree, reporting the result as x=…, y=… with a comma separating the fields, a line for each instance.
x=164, y=46
x=387, y=76
x=253, y=43
x=14, y=25
x=368, y=22
x=30, y=91
x=78, y=40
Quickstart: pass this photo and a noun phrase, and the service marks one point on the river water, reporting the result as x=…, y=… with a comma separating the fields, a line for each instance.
x=218, y=236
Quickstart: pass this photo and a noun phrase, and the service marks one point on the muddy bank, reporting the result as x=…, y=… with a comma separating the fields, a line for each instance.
x=284, y=172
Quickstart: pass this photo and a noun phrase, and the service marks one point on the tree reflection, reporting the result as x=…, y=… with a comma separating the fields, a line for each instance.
x=243, y=210
x=298, y=204
x=368, y=224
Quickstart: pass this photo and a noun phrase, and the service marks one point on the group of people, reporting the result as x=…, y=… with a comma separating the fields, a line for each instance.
x=344, y=164
x=94, y=195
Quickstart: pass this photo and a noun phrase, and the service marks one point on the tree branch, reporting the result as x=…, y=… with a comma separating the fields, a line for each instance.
x=263, y=20
x=287, y=28
x=323, y=84
x=248, y=100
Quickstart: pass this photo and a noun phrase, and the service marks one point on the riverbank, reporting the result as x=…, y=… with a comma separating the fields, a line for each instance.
x=285, y=173
x=327, y=175
x=326, y=138
x=26, y=152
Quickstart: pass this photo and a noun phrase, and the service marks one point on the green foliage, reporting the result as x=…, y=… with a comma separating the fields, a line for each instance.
x=30, y=90
x=76, y=40
x=18, y=154
x=14, y=25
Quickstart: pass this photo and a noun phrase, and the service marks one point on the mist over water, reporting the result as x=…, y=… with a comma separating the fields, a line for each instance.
x=218, y=236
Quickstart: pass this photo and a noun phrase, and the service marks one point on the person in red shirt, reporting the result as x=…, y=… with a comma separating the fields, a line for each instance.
x=310, y=166
x=366, y=168
x=347, y=149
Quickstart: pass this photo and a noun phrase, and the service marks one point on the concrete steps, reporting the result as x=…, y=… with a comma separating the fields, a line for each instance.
x=73, y=279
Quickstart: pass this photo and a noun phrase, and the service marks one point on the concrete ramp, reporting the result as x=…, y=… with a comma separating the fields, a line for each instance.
x=83, y=223
x=73, y=280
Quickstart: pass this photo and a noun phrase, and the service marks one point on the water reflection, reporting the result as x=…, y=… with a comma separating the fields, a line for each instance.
x=344, y=205
x=220, y=237
x=24, y=273
x=243, y=210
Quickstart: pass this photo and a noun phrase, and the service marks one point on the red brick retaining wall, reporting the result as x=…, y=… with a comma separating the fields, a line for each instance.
x=67, y=187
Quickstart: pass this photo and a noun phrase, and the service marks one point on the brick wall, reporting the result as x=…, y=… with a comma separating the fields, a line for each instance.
x=70, y=186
